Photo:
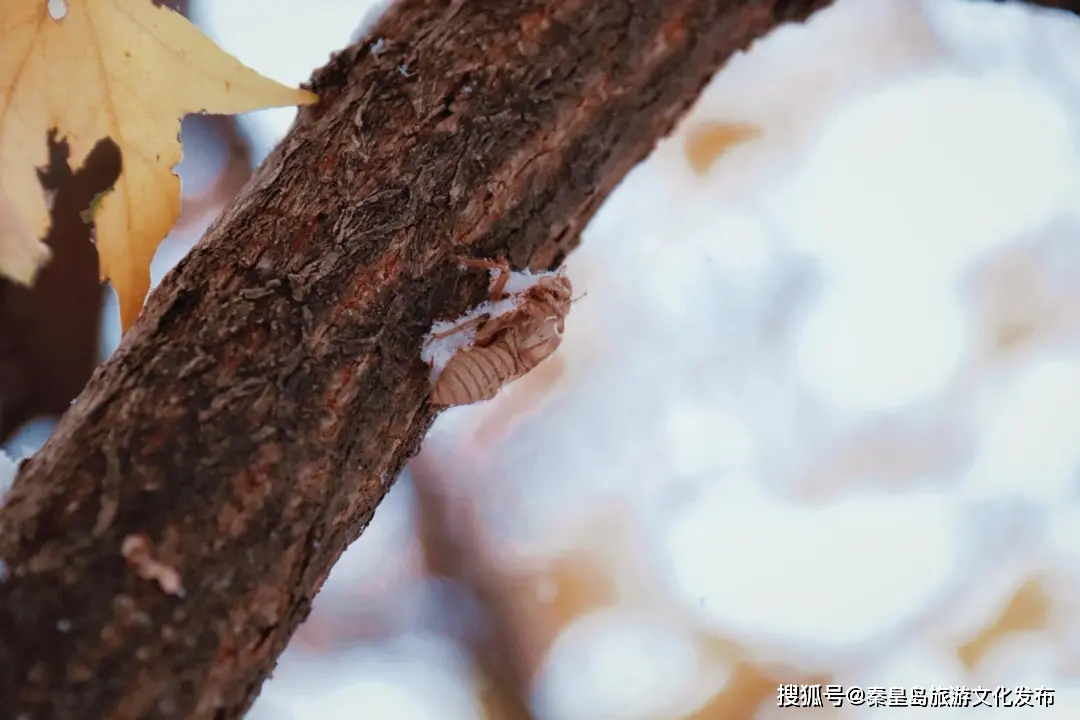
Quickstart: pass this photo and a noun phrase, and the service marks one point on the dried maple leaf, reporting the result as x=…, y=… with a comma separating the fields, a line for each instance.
x=127, y=70
x=21, y=253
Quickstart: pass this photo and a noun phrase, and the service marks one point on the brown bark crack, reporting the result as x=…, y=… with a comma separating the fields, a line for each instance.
x=258, y=411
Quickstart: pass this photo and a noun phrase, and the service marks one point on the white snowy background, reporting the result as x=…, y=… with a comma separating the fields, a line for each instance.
x=816, y=419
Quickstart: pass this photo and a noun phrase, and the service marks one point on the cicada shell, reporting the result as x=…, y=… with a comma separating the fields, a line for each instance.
x=509, y=345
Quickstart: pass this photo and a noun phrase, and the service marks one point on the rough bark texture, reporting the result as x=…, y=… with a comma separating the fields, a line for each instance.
x=261, y=407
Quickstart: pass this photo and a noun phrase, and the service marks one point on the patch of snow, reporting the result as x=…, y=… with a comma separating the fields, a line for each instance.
x=921, y=666
x=694, y=255
x=1065, y=534
x=988, y=584
x=917, y=178
x=1028, y=444
x=707, y=437
x=521, y=280
x=872, y=344
x=1014, y=38
x=618, y=664
x=437, y=351
x=832, y=575
x=413, y=678
x=793, y=79
x=1019, y=659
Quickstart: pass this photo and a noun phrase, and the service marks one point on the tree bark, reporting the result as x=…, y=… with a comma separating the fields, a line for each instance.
x=253, y=418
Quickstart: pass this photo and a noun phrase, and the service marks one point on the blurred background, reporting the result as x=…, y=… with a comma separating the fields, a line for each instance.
x=816, y=419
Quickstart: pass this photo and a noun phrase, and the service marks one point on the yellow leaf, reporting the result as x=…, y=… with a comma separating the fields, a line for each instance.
x=21, y=253
x=709, y=140
x=128, y=70
x=1027, y=610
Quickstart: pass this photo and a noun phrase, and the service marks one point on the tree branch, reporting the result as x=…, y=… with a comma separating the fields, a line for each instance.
x=1072, y=6
x=253, y=418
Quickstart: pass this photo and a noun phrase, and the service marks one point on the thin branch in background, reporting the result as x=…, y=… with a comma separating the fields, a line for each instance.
x=235, y=171
x=452, y=551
